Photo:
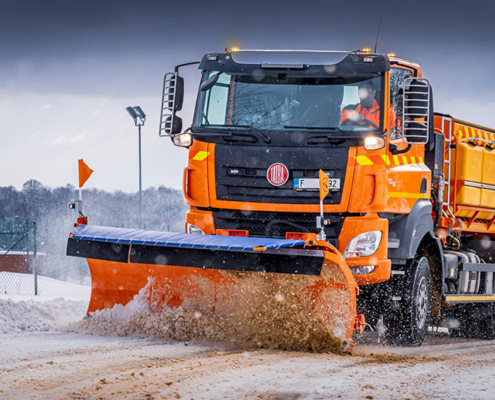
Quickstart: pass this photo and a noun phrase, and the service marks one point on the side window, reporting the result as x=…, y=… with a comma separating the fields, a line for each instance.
x=216, y=104
x=397, y=76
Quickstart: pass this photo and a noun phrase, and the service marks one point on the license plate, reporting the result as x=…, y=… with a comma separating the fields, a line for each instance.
x=313, y=184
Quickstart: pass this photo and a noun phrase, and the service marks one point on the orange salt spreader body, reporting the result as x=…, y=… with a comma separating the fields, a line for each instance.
x=409, y=215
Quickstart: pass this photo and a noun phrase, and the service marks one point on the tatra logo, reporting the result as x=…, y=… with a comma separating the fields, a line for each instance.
x=277, y=174
x=392, y=182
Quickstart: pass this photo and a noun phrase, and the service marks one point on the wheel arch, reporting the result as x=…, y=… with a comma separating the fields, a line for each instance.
x=431, y=247
x=411, y=230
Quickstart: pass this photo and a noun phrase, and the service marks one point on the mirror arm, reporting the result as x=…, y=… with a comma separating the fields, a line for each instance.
x=395, y=151
x=184, y=65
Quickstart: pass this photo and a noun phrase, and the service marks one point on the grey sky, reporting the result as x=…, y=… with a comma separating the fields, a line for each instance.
x=68, y=69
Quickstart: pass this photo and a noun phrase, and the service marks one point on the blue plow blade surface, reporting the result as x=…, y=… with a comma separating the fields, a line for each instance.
x=182, y=240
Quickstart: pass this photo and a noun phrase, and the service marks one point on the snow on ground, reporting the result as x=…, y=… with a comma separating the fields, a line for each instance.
x=18, y=316
x=23, y=285
x=23, y=312
x=39, y=359
x=52, y=365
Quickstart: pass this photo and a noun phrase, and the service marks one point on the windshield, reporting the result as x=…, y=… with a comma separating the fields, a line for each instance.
x=277, y=101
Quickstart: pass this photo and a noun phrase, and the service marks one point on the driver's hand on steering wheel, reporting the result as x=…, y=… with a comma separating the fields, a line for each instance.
x=356, y=117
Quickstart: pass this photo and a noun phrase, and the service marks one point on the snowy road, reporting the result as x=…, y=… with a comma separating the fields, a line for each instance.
x=51, y=365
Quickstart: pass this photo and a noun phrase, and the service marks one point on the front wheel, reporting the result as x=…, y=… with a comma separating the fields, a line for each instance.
x=407, y=325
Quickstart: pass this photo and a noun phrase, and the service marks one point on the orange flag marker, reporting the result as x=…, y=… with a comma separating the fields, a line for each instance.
x=84, y=173
x=324, y=185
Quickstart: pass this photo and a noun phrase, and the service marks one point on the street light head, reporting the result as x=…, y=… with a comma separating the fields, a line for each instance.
x=140, y=112
x=132, y=113
x=137, y=115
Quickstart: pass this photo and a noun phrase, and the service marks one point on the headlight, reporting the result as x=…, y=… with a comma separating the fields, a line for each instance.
x=362, y=270
x=373, y=143
x=363, y=245
x=194, y=229
x=183, y=140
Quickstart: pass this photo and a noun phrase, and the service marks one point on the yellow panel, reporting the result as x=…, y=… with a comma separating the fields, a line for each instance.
x=485, y=215
x=487, y=198
x=488, y=176
x=487, y=201
x=469, y=196
x=469, y=162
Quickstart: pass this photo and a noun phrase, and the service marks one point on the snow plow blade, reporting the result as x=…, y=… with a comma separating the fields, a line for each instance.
x=214, y=274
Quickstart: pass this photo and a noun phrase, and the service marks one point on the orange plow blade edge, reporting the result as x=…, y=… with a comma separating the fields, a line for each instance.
x=289, y=291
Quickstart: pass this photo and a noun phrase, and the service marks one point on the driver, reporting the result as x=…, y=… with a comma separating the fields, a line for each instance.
x=367, y=112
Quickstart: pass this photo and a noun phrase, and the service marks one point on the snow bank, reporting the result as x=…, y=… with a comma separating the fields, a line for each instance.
x=12, y=284
x=35, y=315
x=21, y=311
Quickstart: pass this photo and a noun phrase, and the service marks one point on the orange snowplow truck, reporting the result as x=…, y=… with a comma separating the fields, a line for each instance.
x=409, y=216
x=412, y=198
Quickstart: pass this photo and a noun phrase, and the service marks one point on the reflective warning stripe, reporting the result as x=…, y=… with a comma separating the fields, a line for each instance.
x=386, y=160
x=467, y=298
x=464, y=132
x=200, y=155
x=363, y=160
x=409, y=195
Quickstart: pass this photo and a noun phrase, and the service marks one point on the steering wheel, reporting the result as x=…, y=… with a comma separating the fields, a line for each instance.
x=359, y=124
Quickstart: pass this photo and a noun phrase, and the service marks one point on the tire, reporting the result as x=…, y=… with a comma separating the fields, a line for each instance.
x=407, y=325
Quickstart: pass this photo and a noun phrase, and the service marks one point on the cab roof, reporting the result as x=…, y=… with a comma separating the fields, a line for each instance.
x=342, y=62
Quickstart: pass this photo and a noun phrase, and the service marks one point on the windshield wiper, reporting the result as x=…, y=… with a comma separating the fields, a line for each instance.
x=267, y=138
x=322, y=128
x=251, y=128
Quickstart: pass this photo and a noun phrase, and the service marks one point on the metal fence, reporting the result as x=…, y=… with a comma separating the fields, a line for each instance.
x=26, y=272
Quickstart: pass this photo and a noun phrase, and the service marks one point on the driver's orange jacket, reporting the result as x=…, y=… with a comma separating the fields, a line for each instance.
x=371, y=116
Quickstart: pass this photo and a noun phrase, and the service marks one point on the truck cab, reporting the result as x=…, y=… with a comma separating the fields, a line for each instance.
x=266, y=122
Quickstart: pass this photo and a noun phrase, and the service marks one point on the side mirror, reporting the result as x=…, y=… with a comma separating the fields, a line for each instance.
x=415, y=132
x=175, y=124
x=179, y=93
x=209, y=83
x=416, y=110
x=172, y=101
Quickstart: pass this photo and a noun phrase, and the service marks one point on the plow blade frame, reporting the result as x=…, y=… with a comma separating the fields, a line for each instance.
x=202, y=270
x=282, y=261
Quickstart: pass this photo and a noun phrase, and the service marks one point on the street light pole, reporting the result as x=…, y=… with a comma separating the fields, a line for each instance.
x=139, y=118
x=140, y=183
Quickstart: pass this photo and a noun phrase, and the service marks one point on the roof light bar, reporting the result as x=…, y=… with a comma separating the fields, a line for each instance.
x=292, y=66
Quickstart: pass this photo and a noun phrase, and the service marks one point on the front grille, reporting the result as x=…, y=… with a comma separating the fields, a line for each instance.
x=258, y=222
x=241, y=173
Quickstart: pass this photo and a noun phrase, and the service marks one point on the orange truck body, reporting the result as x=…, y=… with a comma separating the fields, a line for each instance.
x=379, y=188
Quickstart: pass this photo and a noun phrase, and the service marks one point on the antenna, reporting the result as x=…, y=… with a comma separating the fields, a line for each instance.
x=378, y=33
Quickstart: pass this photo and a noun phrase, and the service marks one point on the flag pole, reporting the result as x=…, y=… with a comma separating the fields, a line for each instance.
x=84, y=174
x=324, y=189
